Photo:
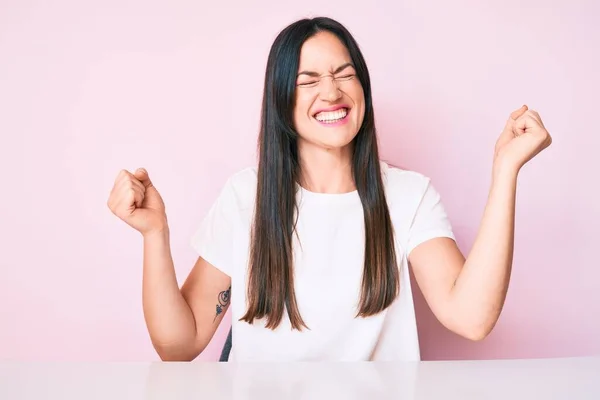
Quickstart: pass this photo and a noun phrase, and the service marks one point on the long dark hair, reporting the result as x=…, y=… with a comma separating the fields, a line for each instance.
x=271, y=273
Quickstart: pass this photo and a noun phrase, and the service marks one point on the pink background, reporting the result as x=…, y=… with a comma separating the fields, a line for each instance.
x=86, y=90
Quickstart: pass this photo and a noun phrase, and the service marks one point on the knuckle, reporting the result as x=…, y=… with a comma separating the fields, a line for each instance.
x=128, y=196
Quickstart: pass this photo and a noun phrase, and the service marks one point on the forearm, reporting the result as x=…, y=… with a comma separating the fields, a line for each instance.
x=169, y=318
x=480, y=290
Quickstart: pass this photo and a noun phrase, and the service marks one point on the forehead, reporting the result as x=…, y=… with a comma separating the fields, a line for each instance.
x=323, y=52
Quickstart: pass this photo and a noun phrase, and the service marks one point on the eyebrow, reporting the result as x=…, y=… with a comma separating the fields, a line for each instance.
x=337, y=71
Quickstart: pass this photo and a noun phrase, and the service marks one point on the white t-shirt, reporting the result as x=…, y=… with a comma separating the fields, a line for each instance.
x=328, y=270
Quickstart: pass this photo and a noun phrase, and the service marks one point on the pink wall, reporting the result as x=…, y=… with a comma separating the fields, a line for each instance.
x=86, y=90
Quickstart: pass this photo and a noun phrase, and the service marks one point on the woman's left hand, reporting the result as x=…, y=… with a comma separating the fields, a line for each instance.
x=523, y=137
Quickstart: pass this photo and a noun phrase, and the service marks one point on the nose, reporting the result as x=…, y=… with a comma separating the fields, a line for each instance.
x=329, y=90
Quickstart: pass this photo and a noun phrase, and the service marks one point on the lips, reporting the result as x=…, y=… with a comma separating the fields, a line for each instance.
x=332, y=114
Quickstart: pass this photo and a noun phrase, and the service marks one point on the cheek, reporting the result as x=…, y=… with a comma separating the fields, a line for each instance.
x=359, y=101
x=301, y=114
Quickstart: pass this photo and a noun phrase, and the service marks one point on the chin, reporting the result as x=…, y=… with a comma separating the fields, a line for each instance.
x=329, y=137
x=333, y=143
x=341, y=144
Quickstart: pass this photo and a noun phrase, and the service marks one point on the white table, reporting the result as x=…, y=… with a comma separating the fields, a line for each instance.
x=567, y=378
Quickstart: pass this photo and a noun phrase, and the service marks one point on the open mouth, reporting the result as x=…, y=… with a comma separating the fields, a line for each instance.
x=332, y=117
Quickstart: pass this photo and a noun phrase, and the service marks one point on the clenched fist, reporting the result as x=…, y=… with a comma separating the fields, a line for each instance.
x=523, y=138
x=136, y=201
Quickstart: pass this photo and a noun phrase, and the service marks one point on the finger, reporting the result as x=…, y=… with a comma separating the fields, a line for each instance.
x=534, y=114
x=508, y=131
x=138, y=184
x=138, y=197
x=122, y=176
x=142, y=175
x=517, y=113
x=116, y=192
x=128, y=182
x=524, y=123
x=133, y=198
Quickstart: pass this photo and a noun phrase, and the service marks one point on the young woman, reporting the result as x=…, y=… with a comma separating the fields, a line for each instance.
x=312, y=247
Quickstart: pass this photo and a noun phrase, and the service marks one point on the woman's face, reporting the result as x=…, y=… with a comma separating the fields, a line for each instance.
x=330, y=101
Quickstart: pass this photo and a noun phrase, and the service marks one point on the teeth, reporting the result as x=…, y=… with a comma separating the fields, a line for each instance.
x=331, y=116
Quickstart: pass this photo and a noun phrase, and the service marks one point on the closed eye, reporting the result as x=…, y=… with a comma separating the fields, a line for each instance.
x=345, y=77
x=308, y=84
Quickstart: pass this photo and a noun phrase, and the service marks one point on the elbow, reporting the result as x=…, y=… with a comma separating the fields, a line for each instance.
x=476, y=332
x=166, y=356
x=473, y=326
x=470, y=329
x=178, y=353
x=476, y=335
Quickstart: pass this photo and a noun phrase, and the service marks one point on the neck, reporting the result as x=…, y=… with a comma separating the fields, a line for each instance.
x=326, y=170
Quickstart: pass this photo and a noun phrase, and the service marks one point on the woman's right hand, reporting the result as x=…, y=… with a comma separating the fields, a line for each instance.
x=136, y=201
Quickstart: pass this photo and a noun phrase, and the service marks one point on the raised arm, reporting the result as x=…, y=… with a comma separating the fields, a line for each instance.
x=180, y=322
x=467, y=295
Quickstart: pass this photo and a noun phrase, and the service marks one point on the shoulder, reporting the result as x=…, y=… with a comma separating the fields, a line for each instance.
x=243, y=180
x=416, y=207
x=412, y=197
x=239, y=189
x=404, y=186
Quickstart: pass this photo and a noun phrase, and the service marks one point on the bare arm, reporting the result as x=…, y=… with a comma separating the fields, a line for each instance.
x=181, y=322
x=467, y=296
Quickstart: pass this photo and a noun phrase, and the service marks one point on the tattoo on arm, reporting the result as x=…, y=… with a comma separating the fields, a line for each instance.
x=223, y=301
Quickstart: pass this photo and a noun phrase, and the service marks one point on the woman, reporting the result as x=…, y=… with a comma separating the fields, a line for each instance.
x=312, y=247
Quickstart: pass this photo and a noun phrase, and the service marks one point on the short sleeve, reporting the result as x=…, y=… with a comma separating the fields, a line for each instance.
x=430, y=220
x=213, y=240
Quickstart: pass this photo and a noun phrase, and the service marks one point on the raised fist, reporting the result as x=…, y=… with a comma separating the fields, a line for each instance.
x=136, y=201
